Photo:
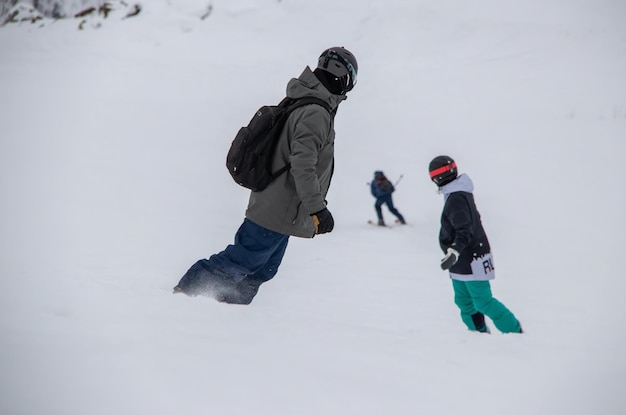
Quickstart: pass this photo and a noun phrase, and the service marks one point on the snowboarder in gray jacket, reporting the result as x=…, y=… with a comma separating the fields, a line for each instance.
x=294, y=204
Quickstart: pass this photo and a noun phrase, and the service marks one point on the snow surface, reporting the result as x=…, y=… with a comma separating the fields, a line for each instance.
x=113, y=183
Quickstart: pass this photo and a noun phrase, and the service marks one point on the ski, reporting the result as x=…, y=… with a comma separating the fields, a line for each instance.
x=395, y=223
x=371, y=222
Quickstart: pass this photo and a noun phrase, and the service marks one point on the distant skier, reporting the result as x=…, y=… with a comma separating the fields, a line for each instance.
x=382, y=189
x=467, y=252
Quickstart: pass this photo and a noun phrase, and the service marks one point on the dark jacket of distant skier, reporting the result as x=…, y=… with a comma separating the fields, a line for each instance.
x=381, y=186
x=461, y=228
x=308, y=143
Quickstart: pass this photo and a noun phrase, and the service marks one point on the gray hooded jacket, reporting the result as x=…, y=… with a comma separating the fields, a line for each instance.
x=307, y=142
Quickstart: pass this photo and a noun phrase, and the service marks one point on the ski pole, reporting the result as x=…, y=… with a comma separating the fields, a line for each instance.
x=395, y=184
x=398, y=181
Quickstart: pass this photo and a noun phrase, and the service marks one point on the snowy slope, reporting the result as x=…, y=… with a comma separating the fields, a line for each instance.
x=113, y=182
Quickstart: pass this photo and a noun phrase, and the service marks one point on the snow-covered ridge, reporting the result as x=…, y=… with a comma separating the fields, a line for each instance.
x=50, y=8
x=23, y=13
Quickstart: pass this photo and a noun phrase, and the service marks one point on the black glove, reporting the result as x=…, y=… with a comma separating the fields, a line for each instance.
x=323, y=220
x=450, y=259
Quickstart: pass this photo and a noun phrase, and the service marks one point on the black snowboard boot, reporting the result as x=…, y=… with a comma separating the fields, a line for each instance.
x=479, y=323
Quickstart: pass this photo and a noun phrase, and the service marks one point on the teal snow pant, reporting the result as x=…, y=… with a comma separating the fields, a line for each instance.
x=473, y=297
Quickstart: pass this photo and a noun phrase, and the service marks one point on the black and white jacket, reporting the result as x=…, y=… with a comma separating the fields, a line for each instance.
x=462, y=230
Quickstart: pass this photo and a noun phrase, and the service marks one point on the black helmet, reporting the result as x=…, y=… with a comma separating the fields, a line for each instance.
x=340, y=63
x=442, y=170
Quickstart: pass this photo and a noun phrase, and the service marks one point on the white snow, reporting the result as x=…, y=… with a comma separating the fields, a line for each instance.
x=112, y=153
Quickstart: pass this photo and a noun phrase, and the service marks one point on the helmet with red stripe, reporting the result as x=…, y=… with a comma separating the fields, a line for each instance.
x=442, y=170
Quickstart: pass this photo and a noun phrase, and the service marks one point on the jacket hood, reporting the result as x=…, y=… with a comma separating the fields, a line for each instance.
x=307, y=85
x=461, y=184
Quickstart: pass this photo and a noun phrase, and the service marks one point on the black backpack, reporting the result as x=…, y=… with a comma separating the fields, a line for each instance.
x=384, y=184
x=249, y=160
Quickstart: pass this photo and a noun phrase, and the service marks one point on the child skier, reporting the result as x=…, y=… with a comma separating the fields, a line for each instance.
x=467, y=252
x=382, y=189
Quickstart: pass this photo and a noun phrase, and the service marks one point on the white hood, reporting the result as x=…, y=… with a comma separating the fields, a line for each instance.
x=461, y=184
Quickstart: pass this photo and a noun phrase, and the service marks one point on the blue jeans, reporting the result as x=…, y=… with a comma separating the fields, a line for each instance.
x=235, y=274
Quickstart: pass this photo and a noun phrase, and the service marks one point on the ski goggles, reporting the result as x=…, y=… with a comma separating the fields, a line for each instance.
x=351, y=70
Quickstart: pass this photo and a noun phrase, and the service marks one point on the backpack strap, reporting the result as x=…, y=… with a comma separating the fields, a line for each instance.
x=292, y=103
